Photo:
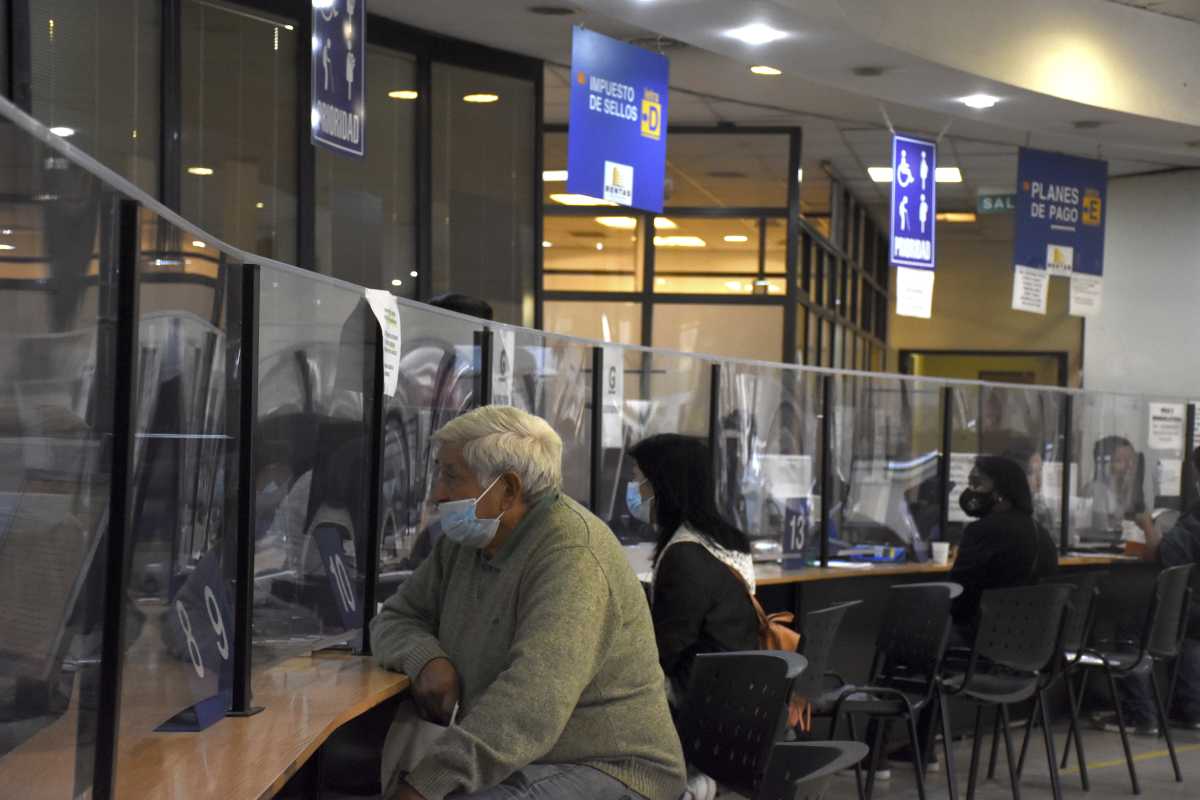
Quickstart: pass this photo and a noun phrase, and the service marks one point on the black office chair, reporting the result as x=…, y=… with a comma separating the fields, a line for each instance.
x=1019, y=635
x=734, y=717
x=819, y=633
x=903, y=681
x=1162, y=635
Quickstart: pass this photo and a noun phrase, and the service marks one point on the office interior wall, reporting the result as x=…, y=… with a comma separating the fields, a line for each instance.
x=1144, y=339
x=972, y=309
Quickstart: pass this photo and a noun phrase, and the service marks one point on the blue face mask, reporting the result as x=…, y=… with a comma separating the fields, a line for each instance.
x=459, y=523
x=639, y=508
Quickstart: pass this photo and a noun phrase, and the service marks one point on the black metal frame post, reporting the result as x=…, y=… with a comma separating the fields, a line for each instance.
x=714, y=417
x=483, y=367
x=1064, y=533
x=124, y=420
x=826, y=465
x=375, y=444
x=20, y=55
x=597, y=454
x=944, y=461
x=170, y=145
x=1189, y=476
x=243, y=589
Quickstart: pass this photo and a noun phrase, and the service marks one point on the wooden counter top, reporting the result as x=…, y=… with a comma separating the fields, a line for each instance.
x=775, y=575
x=305, y=700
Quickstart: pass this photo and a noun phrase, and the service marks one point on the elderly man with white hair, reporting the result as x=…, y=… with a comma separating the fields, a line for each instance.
x=527, y=633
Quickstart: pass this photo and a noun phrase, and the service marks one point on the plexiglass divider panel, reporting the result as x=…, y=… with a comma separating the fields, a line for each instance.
x=316, y=363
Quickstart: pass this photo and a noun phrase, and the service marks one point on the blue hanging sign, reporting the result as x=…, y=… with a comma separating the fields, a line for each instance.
x=338, y=74
x=914, y=202
x=1060, y=213
x=617, y=139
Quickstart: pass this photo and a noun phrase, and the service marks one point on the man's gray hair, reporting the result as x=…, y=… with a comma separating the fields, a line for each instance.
x=498, y=439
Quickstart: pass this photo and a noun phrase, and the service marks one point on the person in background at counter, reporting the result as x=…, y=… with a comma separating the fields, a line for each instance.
x=703, y=573
x=1179, y=545
x=1117, y=492
x=1004, y=546
x=528, y=621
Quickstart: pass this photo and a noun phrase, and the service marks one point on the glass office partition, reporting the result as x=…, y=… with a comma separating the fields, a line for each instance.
x=886, y=447
x=316, y=362
x=57, y=359
x=437, y=382
x=552, y=378
x=769, y=457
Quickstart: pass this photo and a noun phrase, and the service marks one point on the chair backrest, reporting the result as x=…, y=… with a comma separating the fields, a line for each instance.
x=820, y=633
x=736, y=709
x=1081, y=609
x=912, y=638
x=802, y=770
x=1167, y=616
x=1021, y=628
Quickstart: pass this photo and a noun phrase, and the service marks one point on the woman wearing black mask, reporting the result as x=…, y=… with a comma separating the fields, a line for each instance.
x=1004, y=546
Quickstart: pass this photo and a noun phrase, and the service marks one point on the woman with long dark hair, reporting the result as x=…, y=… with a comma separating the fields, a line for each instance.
x=703, y=573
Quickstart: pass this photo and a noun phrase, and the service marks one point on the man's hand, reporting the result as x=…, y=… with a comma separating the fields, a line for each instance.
x=436, y=692
x=406, y=792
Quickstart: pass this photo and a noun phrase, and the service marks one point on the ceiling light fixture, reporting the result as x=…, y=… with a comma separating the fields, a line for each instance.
x=664, y=224
x=404, y=94
x=579, y=200
x=737, y=238
x=620, y=223
x=800, y=176
x=756, y=33
x=260, y=204
x=600, y=246
x=956, y=216
x=200, y=171
x=763, y=69
x=554, y=176
x=880, y=174
x=679, y=241
x=397, y=282
x=7, y=247
x=62, y=131
x=942, y=174
x=979, y=101
x=481, y=98
x=6, y=232
x=547, y=243
x=413, y=274
x=198, y=244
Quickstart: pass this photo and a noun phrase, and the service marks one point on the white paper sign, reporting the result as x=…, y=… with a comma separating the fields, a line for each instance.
x=612, y=422
x=786, y=476
x=1166, y=426
x=914, y=292
x=1029, y=289
x=504, y=353
x=1085, y=294
x=960, y=471
x=1168, y=475
x=387, y=312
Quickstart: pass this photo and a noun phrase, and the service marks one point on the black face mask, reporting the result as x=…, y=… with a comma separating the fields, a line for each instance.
x=977, y=504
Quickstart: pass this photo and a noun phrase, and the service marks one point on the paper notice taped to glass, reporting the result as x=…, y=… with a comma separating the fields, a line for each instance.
x=914, y=292
x=387, y=312
x=1167, y=426
x=1168, y=477
x=504, y=353
x=612, y=421
x=1085, y=294
x=1030, y=286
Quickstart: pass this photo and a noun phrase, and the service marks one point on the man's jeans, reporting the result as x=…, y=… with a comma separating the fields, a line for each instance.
x=1137, y=696
x=555, y=782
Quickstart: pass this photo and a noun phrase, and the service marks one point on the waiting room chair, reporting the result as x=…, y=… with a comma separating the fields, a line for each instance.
x=903, y=681
x=734, y=718
x=1161, y=638
x=1019, y=636
x=819, y=633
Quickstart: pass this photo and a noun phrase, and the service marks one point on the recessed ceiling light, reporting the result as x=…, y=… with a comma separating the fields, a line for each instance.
x=413, y=274
x=620, y=223
x=948, y=175
x=547, y=243
x=800, y=175
x=956, y=216
x=62, y=131
x=579, y=200
x=679, y=241
x=756, y=33
x=6, y=232
x=7, y=247
x=200, y=170
x=481, y=98
x=198, y=244
x=260, y=204
x=979, y=101
x=737, y=238
x=554, y=176
x=763, y=69
x=397, y=282
x=733, y=286
x=880, y=174
x=404, y=94
x=599, y=245
x=664, y=224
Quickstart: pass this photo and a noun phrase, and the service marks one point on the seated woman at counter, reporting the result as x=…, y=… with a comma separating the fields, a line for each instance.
x=1004, y=546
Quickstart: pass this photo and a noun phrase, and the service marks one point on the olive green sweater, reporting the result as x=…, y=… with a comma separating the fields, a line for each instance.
x=553, y=641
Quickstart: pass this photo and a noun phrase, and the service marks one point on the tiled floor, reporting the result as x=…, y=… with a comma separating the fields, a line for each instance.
x=1106, y=769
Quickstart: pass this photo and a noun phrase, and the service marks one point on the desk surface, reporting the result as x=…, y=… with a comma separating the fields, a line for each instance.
x=775, y=575
x=305, y=700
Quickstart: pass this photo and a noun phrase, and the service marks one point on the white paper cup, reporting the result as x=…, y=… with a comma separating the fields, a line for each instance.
x=941, y=553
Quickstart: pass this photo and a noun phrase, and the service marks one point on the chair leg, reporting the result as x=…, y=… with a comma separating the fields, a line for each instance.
x=995, y=754
x=876, y=754
x=1073, y=707
x=1116, y=701
x=947, y=746
x=1072, y=733
x=974, y=773
x=914, y=738
x=1013, y=776
x=858, y=772
x=1163, y=722
x=1034, y=715
x=1051, y=757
